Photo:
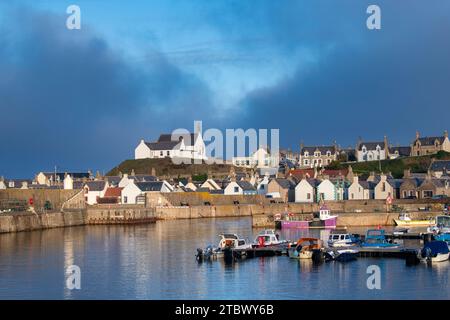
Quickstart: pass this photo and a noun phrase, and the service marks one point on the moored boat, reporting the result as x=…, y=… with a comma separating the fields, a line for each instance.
x=322, y=219
x=375, y=238
x=405, y=220
x=268, y=238
x=342, y=255
x=435, y=251
x=340, y=238
x=305, y=248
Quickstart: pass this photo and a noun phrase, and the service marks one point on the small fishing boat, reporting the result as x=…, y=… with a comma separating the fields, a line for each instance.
x=375, y=238
x=322, y=219
x=305, y=248
x=227, y=241
x=435, y=251
x=339, y=238
x=404, y=219
x=268, y=238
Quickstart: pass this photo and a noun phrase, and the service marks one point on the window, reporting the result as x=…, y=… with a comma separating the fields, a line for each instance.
x=125, y=199
x=328, y=154
x=306, y=154
x=168, y=153
x=405, y=194
x=353, y=196
x=383, y=187
x=328, y=161
x=308, y=196
x=317, y=154
x=161, y=153
x=364, y=149
x=428, y=194
x=306, y=162
x=236, y=189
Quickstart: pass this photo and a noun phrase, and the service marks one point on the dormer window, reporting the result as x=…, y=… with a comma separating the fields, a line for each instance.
x=328, y=153
x=306, y=154
x=364, y=149
x=317, y=154
x=378, y=148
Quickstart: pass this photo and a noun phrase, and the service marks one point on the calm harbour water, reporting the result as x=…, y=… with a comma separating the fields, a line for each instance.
x=157, y=261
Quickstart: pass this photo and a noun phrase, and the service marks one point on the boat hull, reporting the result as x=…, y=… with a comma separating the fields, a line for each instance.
x=440, y=257
x=327, y=223
x=417, y=223
x=294, y=254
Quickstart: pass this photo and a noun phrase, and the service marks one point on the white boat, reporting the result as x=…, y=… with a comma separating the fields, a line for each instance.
x=341, y=239
x=232, y=240
x=435, y=251
x=268, y=238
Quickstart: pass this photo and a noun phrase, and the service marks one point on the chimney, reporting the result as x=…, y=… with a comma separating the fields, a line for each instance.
x=120, y=174
x=417, y=135
x=445, y=133
x=355, y=179
x=386, y=145
x=153, y=173
x=406, y=173
x=132, y=172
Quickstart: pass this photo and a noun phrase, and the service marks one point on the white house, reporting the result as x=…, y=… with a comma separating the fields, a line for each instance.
x=371, y=151
x=263, y=185
x=135, y=178
x=2, y=183
x=239, y=187
x=387, y=187
x=68, y=182
x=94, y=190
x=361, y=190
x=305, y=190
x=134, y=192
x=261, y=158
x=189, y=146
x=326, y=190
x=211, y=185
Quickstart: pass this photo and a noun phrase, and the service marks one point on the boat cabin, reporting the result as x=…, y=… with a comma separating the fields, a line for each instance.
x=230, y=240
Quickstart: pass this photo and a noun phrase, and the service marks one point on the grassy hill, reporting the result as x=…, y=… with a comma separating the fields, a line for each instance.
x=396, y=166
x=165, y=167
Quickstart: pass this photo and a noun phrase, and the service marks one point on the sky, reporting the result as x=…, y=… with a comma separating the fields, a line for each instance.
x=83, y=99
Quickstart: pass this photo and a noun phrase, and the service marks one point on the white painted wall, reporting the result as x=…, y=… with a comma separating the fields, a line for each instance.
x=129, y=193
x=230, y=189
x=326, y=189
x=304, y=192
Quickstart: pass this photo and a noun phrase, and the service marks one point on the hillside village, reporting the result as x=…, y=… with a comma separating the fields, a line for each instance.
x=314, y=174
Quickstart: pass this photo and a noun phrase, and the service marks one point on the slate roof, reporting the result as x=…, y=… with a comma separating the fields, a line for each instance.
x=189, y=139
x=395, y=183
x=367, y=184
x=169, y=145
x=150, y=186
x=245, y=185
x=429, y=141
x=143, y=178
x=440, y=165
x=402, y=151
x=95, y=185
x=323, y=149
x=114, y=180
x=285, y=183
x=371, y=145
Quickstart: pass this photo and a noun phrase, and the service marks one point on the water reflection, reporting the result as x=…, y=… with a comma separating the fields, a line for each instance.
x=157, y=261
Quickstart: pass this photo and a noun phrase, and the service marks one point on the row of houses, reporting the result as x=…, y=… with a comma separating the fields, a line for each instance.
x=191, y=145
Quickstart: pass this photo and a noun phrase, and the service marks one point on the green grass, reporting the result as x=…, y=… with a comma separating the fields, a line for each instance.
x=165, y=167
x=396, y=167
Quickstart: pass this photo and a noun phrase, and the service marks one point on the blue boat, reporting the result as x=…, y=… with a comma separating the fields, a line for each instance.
x=435, y=251
x=375, y=238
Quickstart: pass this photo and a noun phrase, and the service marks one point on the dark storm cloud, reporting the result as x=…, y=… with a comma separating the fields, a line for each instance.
x=68, y=99
x=392, y=81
